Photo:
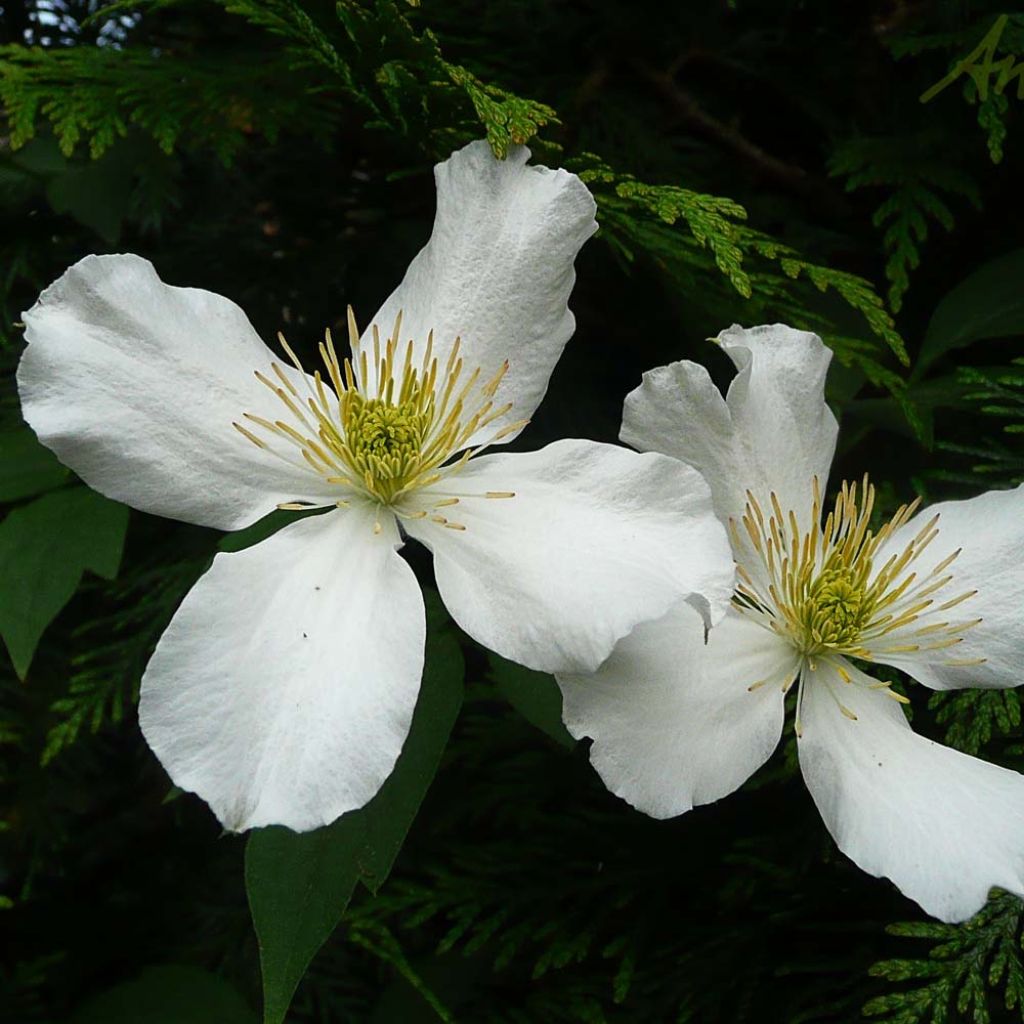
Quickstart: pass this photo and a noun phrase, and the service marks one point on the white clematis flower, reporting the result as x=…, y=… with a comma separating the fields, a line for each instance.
x=283, y=689
x=937, y=593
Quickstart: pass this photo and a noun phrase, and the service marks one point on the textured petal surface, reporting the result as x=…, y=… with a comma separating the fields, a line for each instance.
x=134, y=384
x=943, y=826
x=773, y=432
x=596, y=539
x=497, y=271
x=284, y=686
x=989, y=531
x=674, y=721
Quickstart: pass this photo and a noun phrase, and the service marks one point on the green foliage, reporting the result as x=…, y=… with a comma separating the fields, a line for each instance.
x=638, y=217
x=114, y=649
x=985, y=55
x=992, y=113
x=965, y=963
x=545, y=899
x=22, y=983
x=855, y=291
x=971, y=717
x=168, y=994
x=626, y=204
x=45, y=547
x=379, y=942
x=984, y=307
x=997, y=392
x=401, y=81
x=988, y=303
x=507, y=119
x=918, y=183
x=131, y=182
x=534, y=695
x=993, y=460
x=300, y=884
x=398, y=75
x=97, y=95
x=277, y=152
x=26, y=467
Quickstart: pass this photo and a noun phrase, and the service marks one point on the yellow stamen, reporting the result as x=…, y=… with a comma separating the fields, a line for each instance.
x=380, y=423
x=818, y=586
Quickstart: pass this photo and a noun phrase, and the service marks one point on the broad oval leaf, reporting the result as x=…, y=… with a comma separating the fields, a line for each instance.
x=26, y=466
x=534, y=695
x=987, y=304
x=167, y=994
x=45, y=547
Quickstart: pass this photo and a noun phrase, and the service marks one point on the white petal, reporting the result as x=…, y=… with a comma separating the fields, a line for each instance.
x=943, y=826
x=596, y=539
x=773, y=432
x=283, y=688
x=989, y=531
x=134, y=384
x=674, y=721
x=679, y=411
x=497, y=271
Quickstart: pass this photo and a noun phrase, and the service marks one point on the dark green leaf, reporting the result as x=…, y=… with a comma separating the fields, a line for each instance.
x=41, y=157
x=299, y=884
x=26, y=466
x=987, y=304
x=168, y=994
x=97, y=193
x=534, y=695
x=45, y=547
x=98, y=197
x=262, y=529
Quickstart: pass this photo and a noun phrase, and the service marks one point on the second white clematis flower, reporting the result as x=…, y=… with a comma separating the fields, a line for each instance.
x=820, y=592
x=283, y=689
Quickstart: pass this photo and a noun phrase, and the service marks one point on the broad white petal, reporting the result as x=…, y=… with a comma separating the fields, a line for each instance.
x=777, y=402
x=284, y=686
x=134, y=384
x=596, y=539
x=675, y=722
x=679, y=411
x=497, y=271
x=989, y=532
x=943, y=826
x=773, y=432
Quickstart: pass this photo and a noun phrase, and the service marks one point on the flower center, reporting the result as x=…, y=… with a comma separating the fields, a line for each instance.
x=389, y=426
x=822, y=590
x=835, y=612
x=379, y=432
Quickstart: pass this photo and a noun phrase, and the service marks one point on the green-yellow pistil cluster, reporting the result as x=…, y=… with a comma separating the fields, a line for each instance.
x=377, y=430
x=380, y=424
x=822, y=589
x=384, y=441
x=836, y=609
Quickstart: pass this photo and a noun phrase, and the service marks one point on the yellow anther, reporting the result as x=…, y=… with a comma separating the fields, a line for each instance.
x=249, y=435
x=819, y=587
x=380, y=422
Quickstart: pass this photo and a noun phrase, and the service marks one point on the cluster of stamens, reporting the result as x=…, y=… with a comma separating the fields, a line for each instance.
x=820, y=588
x=379, y=424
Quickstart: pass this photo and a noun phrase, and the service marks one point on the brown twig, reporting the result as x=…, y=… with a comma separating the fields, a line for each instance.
x=788, y=176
